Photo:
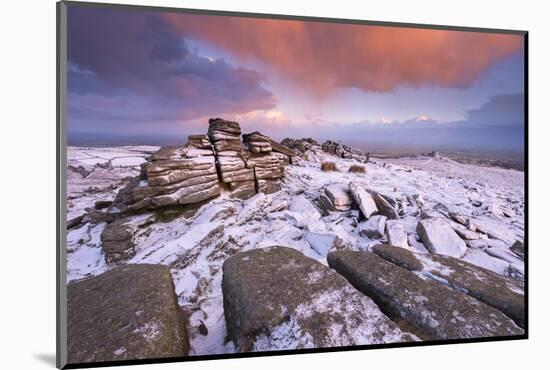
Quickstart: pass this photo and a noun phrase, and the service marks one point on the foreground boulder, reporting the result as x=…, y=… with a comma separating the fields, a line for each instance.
x=438, y=237
x=276, y=298
x=128, y=313
x=504, y=294
x=430, y=309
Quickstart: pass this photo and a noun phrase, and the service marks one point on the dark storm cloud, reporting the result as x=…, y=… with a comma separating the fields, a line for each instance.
x=131, y=65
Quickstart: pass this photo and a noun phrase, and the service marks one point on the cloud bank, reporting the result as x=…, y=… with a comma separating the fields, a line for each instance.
x=324, y=56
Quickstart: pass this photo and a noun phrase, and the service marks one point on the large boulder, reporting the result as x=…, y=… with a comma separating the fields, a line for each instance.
x=439, y=237
x=495, y=290
x=128, y=313
x=276, y=298
x=432, y=310
x=363, y=199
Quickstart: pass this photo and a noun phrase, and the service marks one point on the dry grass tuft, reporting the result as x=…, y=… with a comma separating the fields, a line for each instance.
x=357, y=169
x=328, y=166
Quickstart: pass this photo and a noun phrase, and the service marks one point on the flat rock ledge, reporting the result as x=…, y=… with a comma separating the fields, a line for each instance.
x=506, y=295
x=425, y=307
x=127, y=313
x=276, y=298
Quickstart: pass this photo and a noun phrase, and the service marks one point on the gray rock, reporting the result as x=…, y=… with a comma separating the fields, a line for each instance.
x=276, y=298
x=440, y=238
x=128, y=313
x=117, y=241
x=504, y=294
x=363, y=199
x=396, y=234
x=74, y=222
x=518, y=249
x=384, y=206
x=374, y=227
x=432, y=310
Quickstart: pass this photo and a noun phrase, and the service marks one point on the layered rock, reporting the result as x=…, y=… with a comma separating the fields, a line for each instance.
x=173, y=176
x=225, y=137
x=432, y=310
x=307, y=305
x=257, y=143
x=199, y=141
x=127, y=313
x=495, y=290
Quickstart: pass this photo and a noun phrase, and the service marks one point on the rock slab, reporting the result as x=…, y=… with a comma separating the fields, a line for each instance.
x=432, y=310
x=497, y=291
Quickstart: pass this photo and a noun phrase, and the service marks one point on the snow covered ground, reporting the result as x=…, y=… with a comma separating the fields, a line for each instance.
x=196, y=247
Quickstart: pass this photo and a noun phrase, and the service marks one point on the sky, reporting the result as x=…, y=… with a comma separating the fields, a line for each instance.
x=145, y=76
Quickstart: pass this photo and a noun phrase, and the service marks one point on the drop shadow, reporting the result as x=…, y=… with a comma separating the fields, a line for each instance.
x=46, y=358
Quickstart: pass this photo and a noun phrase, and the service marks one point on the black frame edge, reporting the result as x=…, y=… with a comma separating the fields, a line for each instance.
x=61, y=145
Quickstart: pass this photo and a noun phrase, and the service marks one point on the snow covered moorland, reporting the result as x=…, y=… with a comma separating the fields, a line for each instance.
x=455, y=267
